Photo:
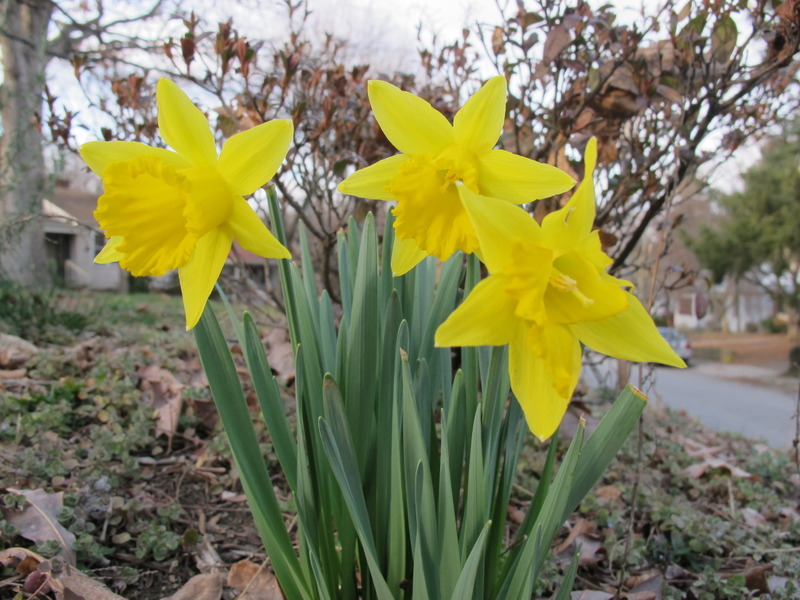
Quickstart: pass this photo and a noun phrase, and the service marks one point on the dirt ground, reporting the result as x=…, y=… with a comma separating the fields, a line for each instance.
x=761, y=349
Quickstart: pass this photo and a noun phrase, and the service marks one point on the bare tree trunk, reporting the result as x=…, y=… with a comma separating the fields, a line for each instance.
x=23, y=38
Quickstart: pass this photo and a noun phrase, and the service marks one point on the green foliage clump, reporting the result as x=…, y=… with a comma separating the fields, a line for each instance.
x=38, y=316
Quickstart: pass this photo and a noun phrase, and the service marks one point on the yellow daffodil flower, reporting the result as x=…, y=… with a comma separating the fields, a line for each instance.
x=547, y=291
x=166, y=210
x=436, y=156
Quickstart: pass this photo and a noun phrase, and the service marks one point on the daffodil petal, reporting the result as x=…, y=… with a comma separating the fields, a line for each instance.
x=497, y=223
x=373, y=182
x=410, y=123
x=199, y=275
x=183, y=126
x=543, y=384
x=98, y=155
x=630, y=335
x=251, y=232
x=405, y=256
x=519, y=180
x=479, y=123
x=250, y=158
x=485, y=318
x=567, y=226
x=109, y=253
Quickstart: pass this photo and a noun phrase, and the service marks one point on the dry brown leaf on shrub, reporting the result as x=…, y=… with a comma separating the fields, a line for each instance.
x=38, y=521
x=207, y=586
x=254, y=582
x=165, y=396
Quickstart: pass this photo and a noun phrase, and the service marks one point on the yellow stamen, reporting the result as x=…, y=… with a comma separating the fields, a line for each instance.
x=566, y=284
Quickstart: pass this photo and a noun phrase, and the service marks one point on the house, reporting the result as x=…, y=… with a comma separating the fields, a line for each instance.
x=73, y=239
x=685, y=296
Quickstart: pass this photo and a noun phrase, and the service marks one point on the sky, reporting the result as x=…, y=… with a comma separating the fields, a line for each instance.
x=385, y=34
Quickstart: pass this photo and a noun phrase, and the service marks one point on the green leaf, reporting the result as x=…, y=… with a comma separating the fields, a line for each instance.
x=270, y=402
x=605, y=442
x=465, y=586
x=235, y=416
x=568, y=580
x=338, y=444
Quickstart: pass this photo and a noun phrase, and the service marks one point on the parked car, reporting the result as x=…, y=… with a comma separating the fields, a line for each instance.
x=677, y=342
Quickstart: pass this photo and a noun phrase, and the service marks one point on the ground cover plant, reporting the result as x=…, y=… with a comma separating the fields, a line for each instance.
x=715, y=515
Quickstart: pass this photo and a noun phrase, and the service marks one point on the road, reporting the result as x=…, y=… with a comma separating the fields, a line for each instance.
x=708, y=393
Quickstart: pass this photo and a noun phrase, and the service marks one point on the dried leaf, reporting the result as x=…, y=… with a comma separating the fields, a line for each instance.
x=753, y=518
x=12, y=374
x=648, y=585
x=591, y=595
x=166, y=397
x=14, y=351
x=200, y=587
x=23, y=560
x=724, y=38
x=254, y=582
x=581, y=527
x=608, y=493
x=710, y=464
x=72, y=584
x=557, y=39
x=498, y=41
x=37, y=522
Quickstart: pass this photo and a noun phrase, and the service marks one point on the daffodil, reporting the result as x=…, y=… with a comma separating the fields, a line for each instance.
x=548, y=290
x=165, y=210
x=437, y=157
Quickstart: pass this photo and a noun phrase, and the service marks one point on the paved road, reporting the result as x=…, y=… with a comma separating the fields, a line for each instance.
x=709, y=392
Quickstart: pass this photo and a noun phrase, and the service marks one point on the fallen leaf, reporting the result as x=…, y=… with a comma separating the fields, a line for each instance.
x=591, y=595
x=608, y=493
x=72, y=584
x=755, y=578
x=254, y=582
x=581, y=527
x=650, y=583
x=207, y=586
x=710, y=464
x=753, y=518
x=280, y=354
x=37, y=522
x=12, y=374
x=14, y=351
x=165, y=396
x=65, y=581
x=21, y=559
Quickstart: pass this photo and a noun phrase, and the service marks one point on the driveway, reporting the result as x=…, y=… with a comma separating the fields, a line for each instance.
x=752, y=400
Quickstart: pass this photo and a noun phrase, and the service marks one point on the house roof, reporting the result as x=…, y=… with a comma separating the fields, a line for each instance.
x=78, y=204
